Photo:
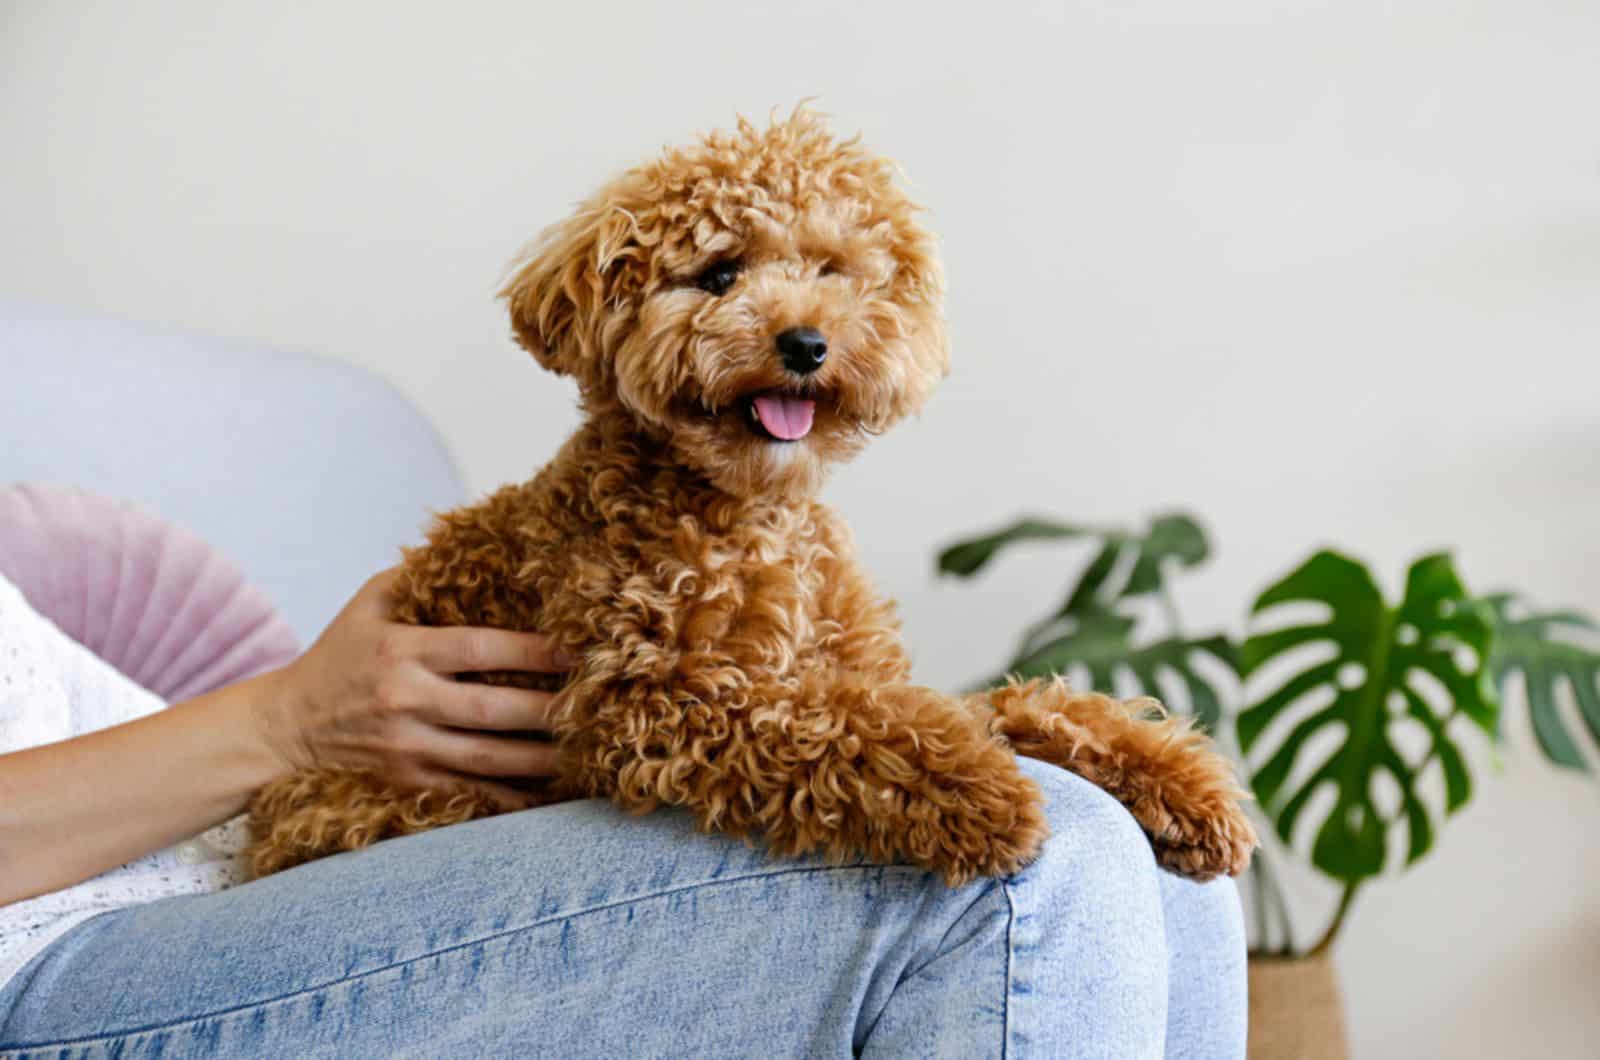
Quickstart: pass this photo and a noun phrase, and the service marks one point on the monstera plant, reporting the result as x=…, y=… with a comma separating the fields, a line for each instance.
x=1331, y=687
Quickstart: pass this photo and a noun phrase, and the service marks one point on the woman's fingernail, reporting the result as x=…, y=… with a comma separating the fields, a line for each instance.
x=566, y=658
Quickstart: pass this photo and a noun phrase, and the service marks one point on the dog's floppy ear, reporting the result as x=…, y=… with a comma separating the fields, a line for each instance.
x=557, y=291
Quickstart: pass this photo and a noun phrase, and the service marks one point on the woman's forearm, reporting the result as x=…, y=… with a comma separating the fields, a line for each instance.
x=72, y=810
x=369, y=694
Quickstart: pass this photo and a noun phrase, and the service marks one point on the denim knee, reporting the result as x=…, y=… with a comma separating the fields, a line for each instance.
x=1091, y=834
x=1087, y=927
x=1207, y=1012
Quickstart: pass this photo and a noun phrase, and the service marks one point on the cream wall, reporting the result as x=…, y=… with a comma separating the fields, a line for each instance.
x=1324, y=272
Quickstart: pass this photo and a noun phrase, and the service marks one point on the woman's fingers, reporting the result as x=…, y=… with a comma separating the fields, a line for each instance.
x=469, y=705
x=491, y=756
x=379, y=585
x=473, y=649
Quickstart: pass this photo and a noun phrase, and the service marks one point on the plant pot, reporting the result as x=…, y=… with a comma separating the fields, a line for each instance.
x=1295, y=1009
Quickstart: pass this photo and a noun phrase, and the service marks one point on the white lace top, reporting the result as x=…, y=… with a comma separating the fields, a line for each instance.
x=51, y=688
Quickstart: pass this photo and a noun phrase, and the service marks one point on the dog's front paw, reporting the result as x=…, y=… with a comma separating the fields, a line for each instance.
x=988, y=824
x=1167, y=773
x=1193, y=815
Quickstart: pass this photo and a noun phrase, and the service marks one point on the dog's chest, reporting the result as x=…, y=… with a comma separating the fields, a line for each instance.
x=749, y=585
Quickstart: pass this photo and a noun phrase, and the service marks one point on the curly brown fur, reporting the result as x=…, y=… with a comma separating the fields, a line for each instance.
x=736, y=661
x=319, y=811
x=1180, y=790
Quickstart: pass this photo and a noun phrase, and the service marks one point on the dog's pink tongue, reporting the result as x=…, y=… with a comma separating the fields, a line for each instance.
x=788, y=418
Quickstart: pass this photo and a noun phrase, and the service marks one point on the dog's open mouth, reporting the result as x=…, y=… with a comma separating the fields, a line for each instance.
x=779, y=416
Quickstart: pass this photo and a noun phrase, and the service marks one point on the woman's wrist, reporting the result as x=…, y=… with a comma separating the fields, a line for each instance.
x=246, y=730
x=122, y=792
x=279, y=739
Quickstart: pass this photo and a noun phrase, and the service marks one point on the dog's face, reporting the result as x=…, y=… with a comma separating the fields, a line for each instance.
x=764, y=301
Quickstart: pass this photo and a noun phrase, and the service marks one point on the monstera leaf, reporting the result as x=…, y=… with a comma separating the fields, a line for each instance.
x=1530, y=646
x=968, y=557
x=1139, y=559
x=1175, y=537
x=1127, y=565
x=1101, y=641
x=1378, y=653
x=1089, y=630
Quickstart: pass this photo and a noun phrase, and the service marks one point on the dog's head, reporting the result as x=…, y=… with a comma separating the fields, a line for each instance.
x=764, y=301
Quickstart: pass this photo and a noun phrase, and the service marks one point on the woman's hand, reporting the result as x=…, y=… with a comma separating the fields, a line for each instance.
x=369, y=692
x=378, y=694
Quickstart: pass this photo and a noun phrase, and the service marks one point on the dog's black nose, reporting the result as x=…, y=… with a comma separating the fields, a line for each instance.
x=803, y=349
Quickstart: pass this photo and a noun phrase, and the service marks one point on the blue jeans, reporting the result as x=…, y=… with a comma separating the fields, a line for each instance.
x=575, y=931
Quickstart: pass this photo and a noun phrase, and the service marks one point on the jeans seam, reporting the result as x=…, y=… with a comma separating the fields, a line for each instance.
x=454, y=947
x=908, y=974
x=1005, y=994
x=955, y=922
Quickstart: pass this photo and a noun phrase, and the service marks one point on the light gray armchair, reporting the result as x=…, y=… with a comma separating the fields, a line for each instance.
x=306, y=471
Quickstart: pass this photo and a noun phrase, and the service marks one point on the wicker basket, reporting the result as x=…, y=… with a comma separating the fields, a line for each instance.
x=1295, y=1009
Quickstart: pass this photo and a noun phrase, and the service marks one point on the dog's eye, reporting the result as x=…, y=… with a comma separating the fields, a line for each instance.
x=718, y=278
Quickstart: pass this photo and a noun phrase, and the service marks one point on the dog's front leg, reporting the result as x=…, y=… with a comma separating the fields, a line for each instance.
x=1173, y=781
x=824, y=763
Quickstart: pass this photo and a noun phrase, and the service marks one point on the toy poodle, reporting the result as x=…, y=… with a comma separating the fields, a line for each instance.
x=739, y=316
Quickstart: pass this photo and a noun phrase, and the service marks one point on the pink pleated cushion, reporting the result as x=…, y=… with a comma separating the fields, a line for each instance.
x=149, y=597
